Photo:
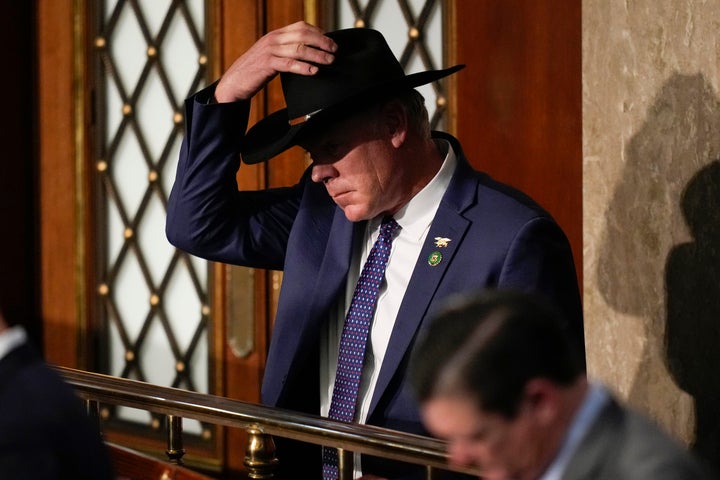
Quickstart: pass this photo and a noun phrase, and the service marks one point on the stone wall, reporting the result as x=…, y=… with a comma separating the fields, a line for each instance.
x=651, y=208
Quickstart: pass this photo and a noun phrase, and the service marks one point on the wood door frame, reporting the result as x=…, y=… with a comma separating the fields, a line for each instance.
x=520, y=118
x=60, y=150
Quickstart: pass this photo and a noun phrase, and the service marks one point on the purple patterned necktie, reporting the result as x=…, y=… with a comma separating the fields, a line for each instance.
x=354, y=337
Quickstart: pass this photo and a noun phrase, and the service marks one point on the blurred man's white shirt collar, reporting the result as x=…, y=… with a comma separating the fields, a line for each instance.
x=595, y=399
x=11, y=338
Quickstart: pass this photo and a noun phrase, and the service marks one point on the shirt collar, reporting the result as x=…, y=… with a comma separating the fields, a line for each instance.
x=596, y=398
x=11, y=338
x=418, y=213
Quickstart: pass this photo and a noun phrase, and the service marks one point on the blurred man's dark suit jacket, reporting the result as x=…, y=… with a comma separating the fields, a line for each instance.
x=44, y=431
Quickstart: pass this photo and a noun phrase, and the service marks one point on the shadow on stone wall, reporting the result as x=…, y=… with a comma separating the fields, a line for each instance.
x=692, y=331
x=651, y=266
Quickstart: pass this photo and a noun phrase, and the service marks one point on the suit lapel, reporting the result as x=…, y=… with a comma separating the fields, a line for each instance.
x=335, y=265
x=428, y=272
x=419, y=295
x=312, y=281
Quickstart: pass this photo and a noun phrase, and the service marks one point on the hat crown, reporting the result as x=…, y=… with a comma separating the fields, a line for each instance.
x=364, y=70
x=363, y=60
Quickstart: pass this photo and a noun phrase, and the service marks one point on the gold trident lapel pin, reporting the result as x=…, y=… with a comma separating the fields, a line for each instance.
x=442, y=241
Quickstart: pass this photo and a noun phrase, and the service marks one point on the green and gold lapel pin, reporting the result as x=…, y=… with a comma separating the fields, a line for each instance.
x=434, y=259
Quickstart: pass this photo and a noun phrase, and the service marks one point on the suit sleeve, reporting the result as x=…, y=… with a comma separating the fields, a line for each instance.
x=206, y=214
x=540, y=260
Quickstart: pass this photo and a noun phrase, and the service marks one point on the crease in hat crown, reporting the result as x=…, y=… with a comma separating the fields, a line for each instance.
x=364, y=69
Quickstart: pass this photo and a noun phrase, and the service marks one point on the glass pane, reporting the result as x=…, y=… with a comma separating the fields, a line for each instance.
x=387, y=16
x=150, y=54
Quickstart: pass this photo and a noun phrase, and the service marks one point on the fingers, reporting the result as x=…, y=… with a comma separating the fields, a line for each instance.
x=304, y=34
x=297, y=48
x=301, y=58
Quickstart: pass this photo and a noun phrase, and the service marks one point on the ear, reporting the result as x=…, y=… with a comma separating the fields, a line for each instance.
x=395, y=122
x=542, y=399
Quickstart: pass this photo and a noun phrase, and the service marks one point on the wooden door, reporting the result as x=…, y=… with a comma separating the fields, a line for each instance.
x=519, y=101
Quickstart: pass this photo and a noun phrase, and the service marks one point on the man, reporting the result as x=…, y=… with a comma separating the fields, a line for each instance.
x=45, y=433
x=351, y=106
x=500, y=380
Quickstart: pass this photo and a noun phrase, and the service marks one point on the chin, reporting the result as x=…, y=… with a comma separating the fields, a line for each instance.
x=355, y=215
x=498, y=474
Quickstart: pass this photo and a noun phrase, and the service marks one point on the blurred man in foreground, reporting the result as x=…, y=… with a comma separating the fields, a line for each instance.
x=44, y=431
x=499, y=379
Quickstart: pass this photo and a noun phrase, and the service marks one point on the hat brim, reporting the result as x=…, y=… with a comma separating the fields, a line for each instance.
x=273, y=134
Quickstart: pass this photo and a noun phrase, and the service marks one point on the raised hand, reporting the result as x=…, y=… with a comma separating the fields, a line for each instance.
x=296, y=48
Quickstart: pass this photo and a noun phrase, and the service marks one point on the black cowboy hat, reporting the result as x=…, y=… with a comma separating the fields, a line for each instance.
x=364, y=69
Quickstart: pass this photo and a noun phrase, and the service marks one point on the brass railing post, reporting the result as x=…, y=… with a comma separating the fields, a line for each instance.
x=93, y=412
x=345, y=464
x=175, y=450
x=260, y=456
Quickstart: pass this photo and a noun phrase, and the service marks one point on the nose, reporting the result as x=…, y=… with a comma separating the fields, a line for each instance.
x=323, y=172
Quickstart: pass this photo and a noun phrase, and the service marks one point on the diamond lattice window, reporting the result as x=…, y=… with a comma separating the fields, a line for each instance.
x=413, y=29
x=152, y=298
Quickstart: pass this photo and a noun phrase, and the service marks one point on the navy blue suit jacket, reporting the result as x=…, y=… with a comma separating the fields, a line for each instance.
x=500, y=238
x=45, y=433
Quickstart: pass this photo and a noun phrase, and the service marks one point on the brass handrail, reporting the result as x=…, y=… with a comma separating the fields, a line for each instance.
x=366, y=439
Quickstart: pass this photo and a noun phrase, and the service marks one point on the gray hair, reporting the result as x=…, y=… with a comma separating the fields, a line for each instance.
x=417, y=113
